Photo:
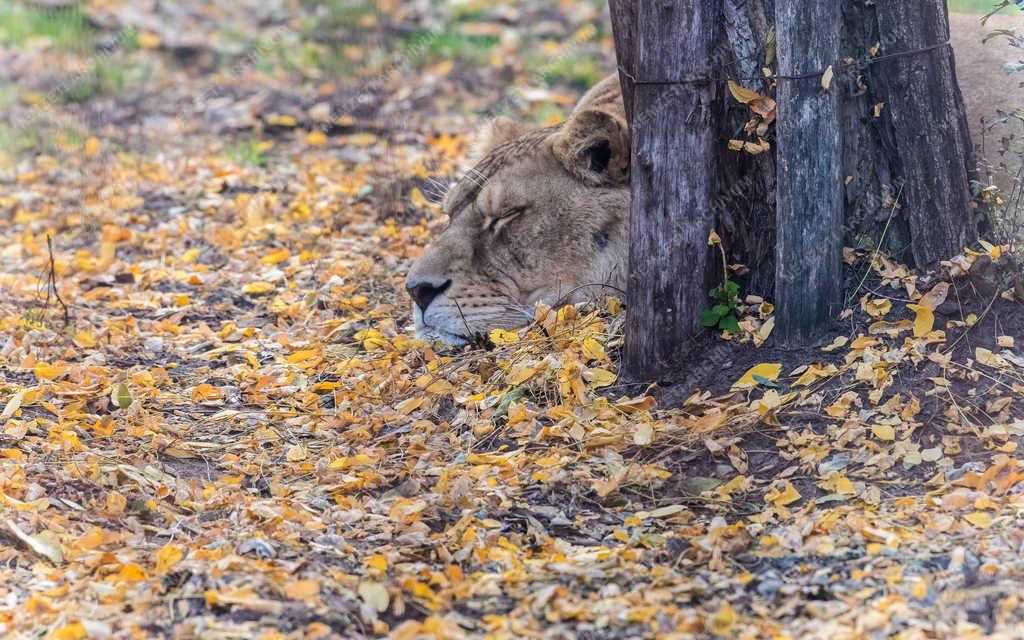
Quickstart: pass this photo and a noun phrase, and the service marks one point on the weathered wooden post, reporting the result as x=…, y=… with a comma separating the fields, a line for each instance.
x=900, y=131
x=809, y=204
x=624, y=31
x=927, y=112
x=668, y=48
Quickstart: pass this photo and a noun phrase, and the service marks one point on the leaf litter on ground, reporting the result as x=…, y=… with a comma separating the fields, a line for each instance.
x=237, y=434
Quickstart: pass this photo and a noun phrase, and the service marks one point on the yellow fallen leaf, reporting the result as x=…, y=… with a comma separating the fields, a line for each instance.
x=877, y=309
x=205, y=391
x=768, y=371
x=980, y=519
x=936, y=296
x=375, y=595
x=84, y=339
x=149, y=40
x=891, y=329
x=764, y=332
x=73, y=631
x=920, y=589
x=520, y=374
x=782, y=497
x=407, y=406
x=814, y=373
x=116, y=503
x=721, y=624
x=986, y=357
x=884, y=432
x=358, y=460
x=837, y=484
x=743, y=94
x=131, y=572
x=840, y=341
x=13, y=404
x=769, y=402
x=244, y=596
x=643, y=435
x=277, y=256
x=301, y=356
x=302, y=589
x=279, y=120
x=92, y=146
x=45, y=544
x=502, y=337
x=257, y=288
x=49, y=371
x=378, y=562
x=924, y=322
x=419, y=200
x=593, y=349
x=826, y=78
x=168, y=556
x=863, y=342
x=738, y=484
x=599, y=377
x=296, y=453
x=663, y=512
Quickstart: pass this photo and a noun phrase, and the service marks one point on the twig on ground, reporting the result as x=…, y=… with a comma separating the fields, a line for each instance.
x=51, y=283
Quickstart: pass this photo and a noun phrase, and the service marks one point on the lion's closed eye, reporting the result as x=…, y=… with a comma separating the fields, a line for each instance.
x=495, y=224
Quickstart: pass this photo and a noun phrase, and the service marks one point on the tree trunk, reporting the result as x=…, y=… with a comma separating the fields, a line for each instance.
x=624, y=31
x=907, y=149
x=745, y=206
x=905, y=158
x=809, y=208
x=674, y=125
x=926, y=110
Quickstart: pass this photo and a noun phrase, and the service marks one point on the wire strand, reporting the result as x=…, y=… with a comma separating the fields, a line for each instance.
x=803, y=76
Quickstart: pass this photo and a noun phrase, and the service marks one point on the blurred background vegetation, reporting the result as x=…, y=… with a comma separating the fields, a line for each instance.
x=130, y=70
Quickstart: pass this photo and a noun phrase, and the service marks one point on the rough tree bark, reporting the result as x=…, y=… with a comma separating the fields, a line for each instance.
x=907, y=151
x=905, y=159
x=624, y=30
x=745, y=206
x=926, y=111
x=809, y=206
x=674, y=125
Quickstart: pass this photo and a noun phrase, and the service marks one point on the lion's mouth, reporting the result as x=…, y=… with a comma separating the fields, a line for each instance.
x=425, y=331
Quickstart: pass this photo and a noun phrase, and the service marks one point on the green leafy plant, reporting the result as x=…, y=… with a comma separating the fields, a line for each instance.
x=725, y=297
x=249, y=153
x=722, y=314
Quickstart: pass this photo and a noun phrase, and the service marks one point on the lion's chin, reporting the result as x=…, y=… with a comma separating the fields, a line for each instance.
x=427, y=332
x=451, y=339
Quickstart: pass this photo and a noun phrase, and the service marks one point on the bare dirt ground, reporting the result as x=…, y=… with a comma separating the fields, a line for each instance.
x=986, y=91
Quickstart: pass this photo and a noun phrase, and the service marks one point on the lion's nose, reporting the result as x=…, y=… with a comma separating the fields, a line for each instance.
x=423, y=293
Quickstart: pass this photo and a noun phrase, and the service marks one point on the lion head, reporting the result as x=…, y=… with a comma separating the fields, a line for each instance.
x=542, y=217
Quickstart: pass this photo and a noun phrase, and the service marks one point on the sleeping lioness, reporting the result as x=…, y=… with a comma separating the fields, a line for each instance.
x=543, y=217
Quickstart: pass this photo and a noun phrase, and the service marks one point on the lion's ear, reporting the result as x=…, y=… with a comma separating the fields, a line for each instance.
x=496, y=133
x=593, y=145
